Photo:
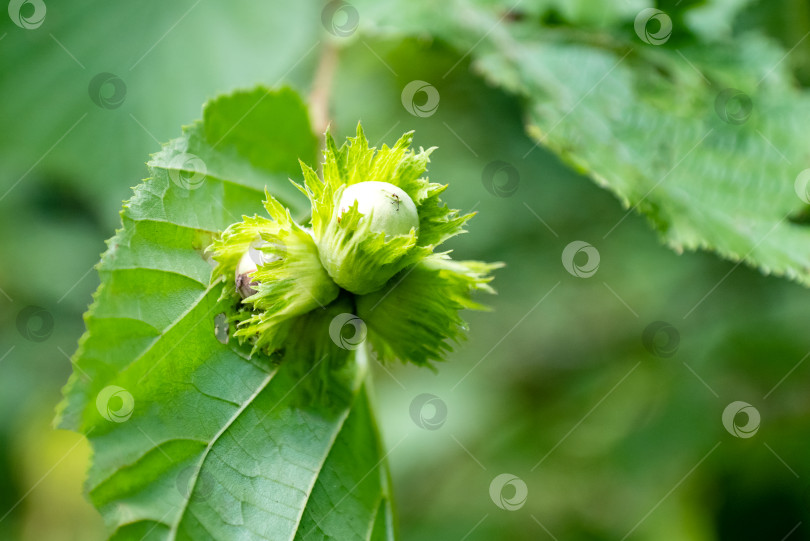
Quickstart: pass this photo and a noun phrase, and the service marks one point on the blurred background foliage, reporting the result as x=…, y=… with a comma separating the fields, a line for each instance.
x=609, y=437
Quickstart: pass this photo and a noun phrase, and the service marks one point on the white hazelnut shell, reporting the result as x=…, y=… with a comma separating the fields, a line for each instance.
x=393, y=212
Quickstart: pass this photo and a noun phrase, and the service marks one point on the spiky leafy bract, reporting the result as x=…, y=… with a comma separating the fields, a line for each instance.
x=358, y=259
x=408, y=296
x=416, y=315
x=288, y=285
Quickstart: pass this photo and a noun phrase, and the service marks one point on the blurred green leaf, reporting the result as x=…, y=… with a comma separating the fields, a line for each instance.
x=707, y=142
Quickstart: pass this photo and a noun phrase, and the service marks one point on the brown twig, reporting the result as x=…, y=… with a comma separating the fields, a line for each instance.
x=322, y=89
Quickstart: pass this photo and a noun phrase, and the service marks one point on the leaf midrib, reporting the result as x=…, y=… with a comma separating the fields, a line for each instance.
x=330, y=447
x=326, y=456
x=207, y=450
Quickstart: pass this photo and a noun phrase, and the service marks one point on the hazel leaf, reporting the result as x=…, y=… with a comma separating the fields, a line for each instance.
x=192, y=437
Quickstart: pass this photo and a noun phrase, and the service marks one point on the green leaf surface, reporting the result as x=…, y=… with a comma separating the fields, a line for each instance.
x=703, y=182
x=192, y=438
x=667, y=128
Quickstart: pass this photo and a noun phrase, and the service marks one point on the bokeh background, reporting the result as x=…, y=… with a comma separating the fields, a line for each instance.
x=611, y=431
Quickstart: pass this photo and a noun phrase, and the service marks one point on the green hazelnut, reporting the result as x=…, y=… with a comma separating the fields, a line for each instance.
x=248, y=264
x=392, y=211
